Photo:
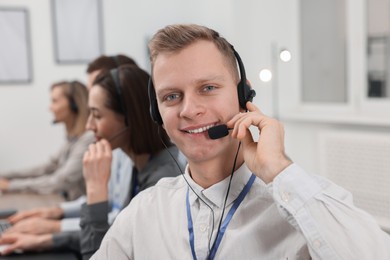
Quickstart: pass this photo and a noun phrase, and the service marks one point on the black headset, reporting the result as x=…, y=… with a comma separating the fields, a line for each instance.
x=115, y=76
x=72, y=103
x=116, y=60
x=245, y=93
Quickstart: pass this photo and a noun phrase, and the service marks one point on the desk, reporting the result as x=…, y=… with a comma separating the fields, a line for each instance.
x=41, y=256
x=23, y=201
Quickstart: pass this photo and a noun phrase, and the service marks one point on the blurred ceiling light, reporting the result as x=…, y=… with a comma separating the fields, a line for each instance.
x=285, y=55
x=265, y=75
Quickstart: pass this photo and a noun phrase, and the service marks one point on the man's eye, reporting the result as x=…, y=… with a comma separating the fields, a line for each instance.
x=171, y=97
x=208, y=88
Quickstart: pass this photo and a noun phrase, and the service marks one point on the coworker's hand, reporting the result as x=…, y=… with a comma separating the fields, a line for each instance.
x=4, y=184
x=36, y=226
x=96, y=170
x=265, y=158
x=48, y=213
x=25, y=242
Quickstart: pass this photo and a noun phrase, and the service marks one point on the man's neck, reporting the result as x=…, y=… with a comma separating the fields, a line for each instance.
x=213, y=171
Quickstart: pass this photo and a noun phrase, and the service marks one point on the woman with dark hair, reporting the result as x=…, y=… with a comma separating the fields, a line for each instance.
x=119, y=117
x=65, y=217
x=119, y=107
x=63, y=173
x=103, y=63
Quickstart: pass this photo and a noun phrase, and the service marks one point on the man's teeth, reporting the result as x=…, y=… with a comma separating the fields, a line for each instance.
x=200, y=130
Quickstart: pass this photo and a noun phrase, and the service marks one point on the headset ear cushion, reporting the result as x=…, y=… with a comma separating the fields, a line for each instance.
x=73, y=106
x=72, y=103
x=154, y=113
x=245, y=94
x=250, y=94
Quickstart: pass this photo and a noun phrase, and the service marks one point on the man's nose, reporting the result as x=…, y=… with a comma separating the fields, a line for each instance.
x=192, y=106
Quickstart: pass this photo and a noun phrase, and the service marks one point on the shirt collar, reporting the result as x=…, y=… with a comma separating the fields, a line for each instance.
x=216, y=193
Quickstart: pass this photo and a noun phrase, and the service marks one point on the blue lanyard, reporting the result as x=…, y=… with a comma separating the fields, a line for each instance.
x=225, y=223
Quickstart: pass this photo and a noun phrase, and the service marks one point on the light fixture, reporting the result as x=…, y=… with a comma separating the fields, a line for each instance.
x=265, y=75
x=285, y=55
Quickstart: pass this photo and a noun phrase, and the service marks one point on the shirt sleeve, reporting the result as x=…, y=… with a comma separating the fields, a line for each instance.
x=70, y=224
x=117, y=243
x=67, y=240
x=72, y=208
x=94, y=225
x=35, y=171
x=324, y=213
x=67, y=177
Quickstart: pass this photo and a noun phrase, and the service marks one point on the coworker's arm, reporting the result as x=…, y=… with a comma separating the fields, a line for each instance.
x=25, y=242
x=71, y=209
x=70, y=224
x=64, y=178
x=36, y=225
x=28, y=242
x=35, y=171
x=44, y=212
x=97, y=171
x=94, y=225
x=66, y=240
x=94, y=214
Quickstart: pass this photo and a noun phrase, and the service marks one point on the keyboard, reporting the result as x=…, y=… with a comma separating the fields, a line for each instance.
x=4, y=225
x=5, y=213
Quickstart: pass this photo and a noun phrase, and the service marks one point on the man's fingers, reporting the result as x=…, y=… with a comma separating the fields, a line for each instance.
x=247, y=138
x=252, y=108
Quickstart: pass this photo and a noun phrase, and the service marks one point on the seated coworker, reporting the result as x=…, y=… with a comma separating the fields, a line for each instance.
x=104, y=63
x=66, y=216
x=61, y=219
x=122, y=92
x=63, y=172
x=58, y=223
x=239, y=198
x=118, y=121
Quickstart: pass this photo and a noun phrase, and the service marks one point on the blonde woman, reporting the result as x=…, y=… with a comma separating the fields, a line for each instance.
x=63, y=172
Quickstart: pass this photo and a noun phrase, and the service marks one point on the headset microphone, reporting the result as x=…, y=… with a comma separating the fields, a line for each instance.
x=218, y=131
x=117, y=134
x=114, y=136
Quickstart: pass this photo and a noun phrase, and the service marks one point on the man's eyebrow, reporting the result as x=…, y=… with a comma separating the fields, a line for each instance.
x=211, y=78
x=163, y=91
x=199, y=81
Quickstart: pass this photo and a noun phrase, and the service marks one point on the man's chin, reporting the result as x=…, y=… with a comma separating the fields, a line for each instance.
x=199, y=156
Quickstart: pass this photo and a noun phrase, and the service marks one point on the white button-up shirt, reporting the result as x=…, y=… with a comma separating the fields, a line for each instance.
x=298, y=216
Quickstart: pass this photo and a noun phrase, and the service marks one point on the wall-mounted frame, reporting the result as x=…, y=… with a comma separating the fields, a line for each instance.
x=77, y=30
x=15, y=46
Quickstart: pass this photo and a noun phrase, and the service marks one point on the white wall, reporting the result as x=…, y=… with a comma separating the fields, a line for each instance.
x=254, y=27
x=27, y=136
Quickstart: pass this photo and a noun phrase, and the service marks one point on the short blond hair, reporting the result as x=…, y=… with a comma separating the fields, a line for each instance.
x=173, y=38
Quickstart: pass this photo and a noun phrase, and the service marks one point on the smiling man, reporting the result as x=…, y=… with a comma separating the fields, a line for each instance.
x=238, y=198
